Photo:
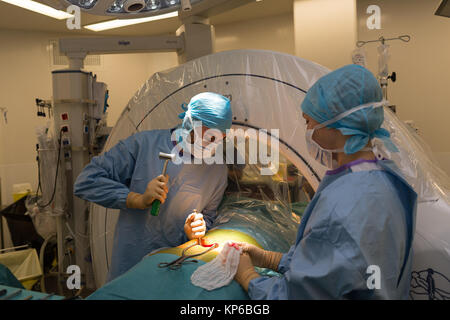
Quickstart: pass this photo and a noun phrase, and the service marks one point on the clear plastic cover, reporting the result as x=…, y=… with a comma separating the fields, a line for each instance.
x=49, y=199
x=43, y=220
x=266, y=207
x=415, y=160
x=48, y=158
x=383, y=60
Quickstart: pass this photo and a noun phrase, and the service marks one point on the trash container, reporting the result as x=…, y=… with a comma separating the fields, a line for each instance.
x=23, y=232
x=24, y=265
x=21, y=226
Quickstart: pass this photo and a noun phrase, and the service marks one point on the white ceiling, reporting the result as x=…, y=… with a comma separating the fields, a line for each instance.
x=13, y=17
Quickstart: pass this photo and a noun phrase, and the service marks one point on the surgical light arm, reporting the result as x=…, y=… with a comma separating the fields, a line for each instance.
x=77, y=48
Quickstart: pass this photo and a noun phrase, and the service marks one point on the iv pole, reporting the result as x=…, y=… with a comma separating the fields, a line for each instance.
x=404, y=38
x=383, y=75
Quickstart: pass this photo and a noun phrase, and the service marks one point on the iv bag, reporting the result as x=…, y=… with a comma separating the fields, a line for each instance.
x=383, y=59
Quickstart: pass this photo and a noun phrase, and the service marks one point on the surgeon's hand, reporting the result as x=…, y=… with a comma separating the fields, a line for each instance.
x=246, y=271
x=156, y=190
x=260, y=257
x=195, y=226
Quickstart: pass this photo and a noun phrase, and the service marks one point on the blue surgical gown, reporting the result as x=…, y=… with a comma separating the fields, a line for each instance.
x=355, y=220
x=130, y=166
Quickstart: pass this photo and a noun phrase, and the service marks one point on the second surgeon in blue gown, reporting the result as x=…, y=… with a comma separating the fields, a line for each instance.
x=355, y=238
x=120, y=178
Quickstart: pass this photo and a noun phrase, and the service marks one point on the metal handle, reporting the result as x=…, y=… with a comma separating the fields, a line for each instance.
x=47, y=296
x=12, y=295
x=165, y=167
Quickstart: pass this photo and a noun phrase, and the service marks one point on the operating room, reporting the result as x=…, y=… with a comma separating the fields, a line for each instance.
x=224, y=150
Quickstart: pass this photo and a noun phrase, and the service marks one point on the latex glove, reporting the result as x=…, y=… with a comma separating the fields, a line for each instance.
x=156, y=189
x=195, y=226
x=245, y=272
x=260, y=257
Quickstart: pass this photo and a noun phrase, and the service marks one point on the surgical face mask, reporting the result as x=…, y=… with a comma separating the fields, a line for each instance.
x=203, y=147
x=325, y=156
x=200, y=147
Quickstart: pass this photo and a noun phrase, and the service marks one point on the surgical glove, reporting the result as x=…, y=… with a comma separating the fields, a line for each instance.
x=245, y=272
x=195, y=226
x=156, y=189
x=260, y=257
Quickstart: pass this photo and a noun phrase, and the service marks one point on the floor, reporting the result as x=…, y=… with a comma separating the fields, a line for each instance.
x=51, y=286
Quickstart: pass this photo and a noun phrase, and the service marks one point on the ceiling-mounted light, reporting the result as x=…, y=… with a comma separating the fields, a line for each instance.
x=40, y=8
x=132, y=6
x=122, y=8
x=84, y=4
x=118, y=23
x=117, y=6
x=153, y=4
x=87, y=4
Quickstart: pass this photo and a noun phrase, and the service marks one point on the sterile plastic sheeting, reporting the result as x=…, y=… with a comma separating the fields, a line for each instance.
x=102, y=224
x=48, y=157
x=415, y=160
x=43, y=220
x=47, y=154
x=270, y=224
x=431, y=239
x=99, y=92
x=266, y=207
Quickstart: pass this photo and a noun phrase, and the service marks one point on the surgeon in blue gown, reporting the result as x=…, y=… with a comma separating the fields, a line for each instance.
x=128, y=177
x=355, y=238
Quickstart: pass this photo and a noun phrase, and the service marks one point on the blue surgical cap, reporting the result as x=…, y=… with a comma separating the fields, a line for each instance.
x=342, y=90
x=212, y=109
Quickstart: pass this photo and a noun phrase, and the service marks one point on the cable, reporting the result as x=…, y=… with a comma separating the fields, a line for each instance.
x=41, y=260
x=56, y=175
x=39, y=187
